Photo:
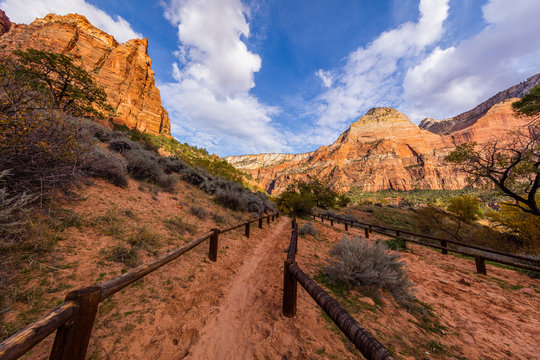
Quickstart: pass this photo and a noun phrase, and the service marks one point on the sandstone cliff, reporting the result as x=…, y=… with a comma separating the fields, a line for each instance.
x=470, y=117
x=5, y=24
x=124, y=70
x=382, y=150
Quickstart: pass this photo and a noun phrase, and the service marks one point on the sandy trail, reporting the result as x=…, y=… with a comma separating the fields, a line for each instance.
x=247, y=305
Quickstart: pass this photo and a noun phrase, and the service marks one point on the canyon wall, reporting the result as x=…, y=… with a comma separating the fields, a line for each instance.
x=123, y=70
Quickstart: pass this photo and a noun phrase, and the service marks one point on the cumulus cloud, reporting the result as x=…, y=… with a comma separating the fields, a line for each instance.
x=25, y=11
x=210, y=103
x=455, y=79
x=371, y=74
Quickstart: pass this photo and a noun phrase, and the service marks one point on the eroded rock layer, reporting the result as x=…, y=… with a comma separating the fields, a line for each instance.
x=124, y=70
x=382, y=150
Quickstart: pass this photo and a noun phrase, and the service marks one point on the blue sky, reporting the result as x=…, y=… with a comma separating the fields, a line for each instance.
x=248, y=76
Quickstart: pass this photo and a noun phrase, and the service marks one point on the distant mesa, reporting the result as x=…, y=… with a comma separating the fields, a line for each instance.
x=385, y=150
x=124, y=70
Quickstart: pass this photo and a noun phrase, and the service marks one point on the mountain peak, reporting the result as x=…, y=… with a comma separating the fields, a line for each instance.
x=380, y=116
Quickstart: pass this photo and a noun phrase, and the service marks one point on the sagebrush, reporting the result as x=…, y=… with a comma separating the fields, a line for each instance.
x=359, y=262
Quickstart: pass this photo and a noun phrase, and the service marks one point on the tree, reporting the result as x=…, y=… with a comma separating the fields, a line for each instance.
x=529, y=105
x=512, y=164
x=301, y=196
x=69, y=87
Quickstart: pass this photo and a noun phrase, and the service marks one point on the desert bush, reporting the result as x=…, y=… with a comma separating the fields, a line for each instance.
x=143, y=165
x=308, y=228
x=122, y=145
x=357, y=262
x=13, y=212
x=199, y=212
x=466, y=207
x=178, y=224
x=104, y=164
x=195, y=176
x=172, y=165
x=127, y=256
x=522, y=225
x=230, y=200
x=218, y=218
x=144, y=239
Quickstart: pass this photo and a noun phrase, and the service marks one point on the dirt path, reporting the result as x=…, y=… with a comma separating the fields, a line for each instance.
x=245, y=312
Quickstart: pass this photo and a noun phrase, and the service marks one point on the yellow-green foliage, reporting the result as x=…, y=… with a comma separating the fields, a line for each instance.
x=465, y=207
x=524, y=225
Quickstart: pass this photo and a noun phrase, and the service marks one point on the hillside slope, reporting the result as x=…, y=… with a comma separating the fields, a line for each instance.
x=123, y=70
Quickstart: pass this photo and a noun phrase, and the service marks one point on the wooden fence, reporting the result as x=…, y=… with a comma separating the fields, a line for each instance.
x=360, y=337
x=480, y=255
x=74, y=318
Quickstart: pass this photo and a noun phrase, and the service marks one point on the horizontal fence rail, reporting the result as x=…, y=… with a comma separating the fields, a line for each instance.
x=406, y=237
x=73, y=320
x=360, y=337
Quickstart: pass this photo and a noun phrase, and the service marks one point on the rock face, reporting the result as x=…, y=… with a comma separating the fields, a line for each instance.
x=470, y=117
x=122, y=69
x=5, y=24
x=382, y=150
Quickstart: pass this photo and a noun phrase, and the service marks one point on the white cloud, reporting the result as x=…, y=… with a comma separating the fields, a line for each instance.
x=26, y=11
x=210, y=103
x=326, y=77
x=371, y=74
x=452, y=80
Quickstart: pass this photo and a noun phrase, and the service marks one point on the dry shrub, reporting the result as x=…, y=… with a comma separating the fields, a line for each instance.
x=308, y=228
x=357, y=262
x=13, y=208
x=199, y=212
x=104, y=164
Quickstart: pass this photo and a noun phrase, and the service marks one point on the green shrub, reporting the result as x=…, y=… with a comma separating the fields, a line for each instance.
x=465, y=207
x=178, y=224
x=357, y=262
x=525, y=226
x=144, y=239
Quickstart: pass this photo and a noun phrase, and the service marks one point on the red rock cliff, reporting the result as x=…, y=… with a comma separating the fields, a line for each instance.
x=124, y=70
x=382, y=150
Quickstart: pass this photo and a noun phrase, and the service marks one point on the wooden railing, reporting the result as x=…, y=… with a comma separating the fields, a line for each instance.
x=481, y=254
x=74, y=318
x=360, y=337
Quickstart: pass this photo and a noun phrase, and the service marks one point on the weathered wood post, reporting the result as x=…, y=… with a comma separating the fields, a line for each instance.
x=289, y=291
x=443, y=245
x=247, y=229
x=212, y=252
x=71, y=341
x=332, y=222
x=346, y=226
x=367, y=232
x=260, y=223
x=268, y=219
x=273, y=217
x=480, y=265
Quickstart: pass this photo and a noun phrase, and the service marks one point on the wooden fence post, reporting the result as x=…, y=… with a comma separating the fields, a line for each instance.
x=443, y=244
x=367, y=232
x=260, y=223
x=212, y=252
x=289, y=291
x=268, y=219
x=247, y=230
x=480, y=265
x=346, y=226
x=332, y=222
x=273, y=218
x=71, y=341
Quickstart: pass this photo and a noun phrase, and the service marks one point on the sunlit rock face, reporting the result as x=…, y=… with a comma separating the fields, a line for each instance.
x=123, y=70
x=382, y=150
x=471, y=117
